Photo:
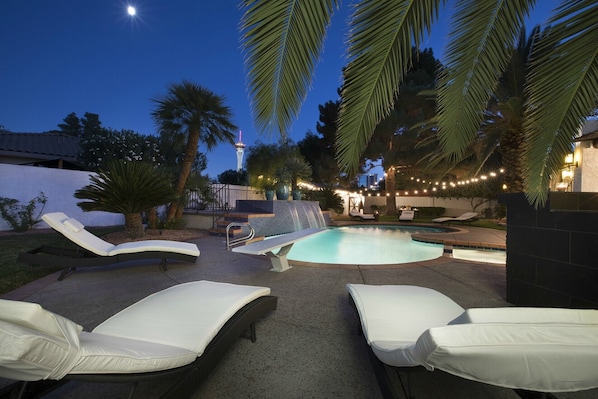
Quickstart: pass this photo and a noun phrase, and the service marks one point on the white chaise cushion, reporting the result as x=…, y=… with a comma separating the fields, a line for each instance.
x=185, y=248
x=394, y=316
x=74, y=225
x=541, y=357
x=106, y=354
x=186, y=316
x=35, y=343
x=528, y=315
x=75, y=231
x=69, y=227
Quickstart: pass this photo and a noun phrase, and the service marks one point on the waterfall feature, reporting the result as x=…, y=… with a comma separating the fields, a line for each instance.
x=289, y=216
x=314, y=215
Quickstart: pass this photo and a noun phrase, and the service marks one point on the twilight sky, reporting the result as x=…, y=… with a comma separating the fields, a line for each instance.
x=64, y=56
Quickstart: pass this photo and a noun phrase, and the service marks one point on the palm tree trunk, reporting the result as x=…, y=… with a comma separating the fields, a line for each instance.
x=391, y=205
x=511, y=149
x=185, y=171
x=152, y=217
x=134, y=225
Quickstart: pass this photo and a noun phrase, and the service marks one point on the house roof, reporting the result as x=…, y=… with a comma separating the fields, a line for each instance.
x=588, y=136
x=39, y=146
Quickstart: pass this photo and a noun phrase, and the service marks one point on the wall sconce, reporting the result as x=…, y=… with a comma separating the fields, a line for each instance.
x=570, y=160
x=567, y=175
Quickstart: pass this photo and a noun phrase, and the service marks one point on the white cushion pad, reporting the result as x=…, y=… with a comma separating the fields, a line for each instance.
x=539, y=357
x=185, y=316
x=185, y=248
x=103, y=354
x=394, y=316
x=528, y=315
x=35, y=343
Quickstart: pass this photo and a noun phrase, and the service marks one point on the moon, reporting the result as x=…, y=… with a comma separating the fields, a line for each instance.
x=131, y=10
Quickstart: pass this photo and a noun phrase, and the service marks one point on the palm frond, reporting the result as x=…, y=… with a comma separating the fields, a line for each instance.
x=380, y=42
x=562, y=92
x=481, y=44
x=282, y=42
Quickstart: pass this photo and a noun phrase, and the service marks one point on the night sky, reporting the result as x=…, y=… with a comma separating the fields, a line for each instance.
x=80, y=56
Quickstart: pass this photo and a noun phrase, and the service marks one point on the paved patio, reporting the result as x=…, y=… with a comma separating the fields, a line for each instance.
x=308, y=348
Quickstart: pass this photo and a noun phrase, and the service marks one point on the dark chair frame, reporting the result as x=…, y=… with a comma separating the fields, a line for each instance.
x=71, y=258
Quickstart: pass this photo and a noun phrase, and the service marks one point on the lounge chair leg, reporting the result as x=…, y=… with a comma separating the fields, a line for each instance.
x=163, y=265
x=252, y=332
x=132, y=391
x=381, y=373
x=524, y=394
x=406, y=388
x=65, y=272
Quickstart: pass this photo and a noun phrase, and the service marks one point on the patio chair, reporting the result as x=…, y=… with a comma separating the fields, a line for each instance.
x=94, y=251
x=407, y=215
x=467, y=217
x=179, y=334
x=529, y=350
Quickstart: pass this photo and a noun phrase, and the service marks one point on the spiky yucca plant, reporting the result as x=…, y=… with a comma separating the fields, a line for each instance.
x=128, y=188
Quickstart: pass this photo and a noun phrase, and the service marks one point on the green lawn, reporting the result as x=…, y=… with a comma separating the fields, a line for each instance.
x=14, y=274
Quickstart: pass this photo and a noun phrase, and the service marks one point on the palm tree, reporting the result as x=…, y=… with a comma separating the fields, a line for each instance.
x=283, y=39
x=199, y=114
x=502, y=130
x=128, y=188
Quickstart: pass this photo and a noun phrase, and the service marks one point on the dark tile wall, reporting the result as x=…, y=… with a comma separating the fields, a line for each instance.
x=552, y=252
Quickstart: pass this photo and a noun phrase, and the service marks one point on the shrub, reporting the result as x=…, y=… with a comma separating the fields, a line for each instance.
x=20, y=217
x=328, y=199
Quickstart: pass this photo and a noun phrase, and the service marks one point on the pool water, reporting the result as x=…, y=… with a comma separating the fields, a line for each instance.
x=366, y=245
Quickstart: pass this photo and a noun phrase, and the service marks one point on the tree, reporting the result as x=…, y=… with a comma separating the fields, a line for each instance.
x=282, y=44
x=478, y=192
x=232, y=176
x=126, y=145
x=91, y=125
x=201, y=116
x=500, y=141
x=71, y=126
x=318, y=150
x=128, y=188
x=394, y=140
x=268, y=164
x=262, y=161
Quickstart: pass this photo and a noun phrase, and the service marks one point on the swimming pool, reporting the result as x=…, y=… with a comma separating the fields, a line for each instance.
x=367, y=245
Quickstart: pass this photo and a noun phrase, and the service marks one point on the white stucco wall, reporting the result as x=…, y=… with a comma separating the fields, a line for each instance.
x=24, y=183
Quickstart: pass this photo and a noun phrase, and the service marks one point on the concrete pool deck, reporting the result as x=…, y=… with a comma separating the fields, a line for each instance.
x=308, y=348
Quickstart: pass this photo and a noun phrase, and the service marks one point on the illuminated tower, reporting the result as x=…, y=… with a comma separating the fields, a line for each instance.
x=240, y=150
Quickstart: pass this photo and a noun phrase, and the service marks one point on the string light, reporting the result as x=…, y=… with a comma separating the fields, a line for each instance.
x=445, y=185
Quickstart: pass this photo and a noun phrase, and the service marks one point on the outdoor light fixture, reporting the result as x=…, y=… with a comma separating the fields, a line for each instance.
x=570, y=160
x=567, y=175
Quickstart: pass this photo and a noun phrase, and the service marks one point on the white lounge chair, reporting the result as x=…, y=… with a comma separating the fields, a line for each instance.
x=533, y=349
x=407, y=215
x=181, y=331
x=362, y=216
x=464, y=218
x=95, y=251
